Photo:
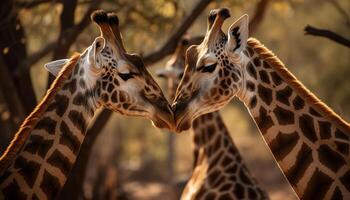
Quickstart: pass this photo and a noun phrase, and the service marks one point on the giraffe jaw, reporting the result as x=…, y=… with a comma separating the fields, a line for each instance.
x=163, y=121
x=183, y=123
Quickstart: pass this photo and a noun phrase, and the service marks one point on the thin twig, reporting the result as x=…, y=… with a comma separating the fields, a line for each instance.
x=310, y=30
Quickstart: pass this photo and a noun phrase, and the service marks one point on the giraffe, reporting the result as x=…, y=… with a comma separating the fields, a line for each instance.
x=219, y=171
x=37, y=162
x=308, y=140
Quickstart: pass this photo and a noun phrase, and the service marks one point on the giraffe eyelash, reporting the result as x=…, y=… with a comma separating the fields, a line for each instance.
x=207, y=68
x=127, y=76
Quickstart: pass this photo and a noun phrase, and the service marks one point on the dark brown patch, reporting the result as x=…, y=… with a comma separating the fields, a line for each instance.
x=284, y=95
x=239, y=191
x=277, y=80
x=250, y=86
x=283, y=144
x=266, y=65
x=47, y=124
x=227, y=160
x=57, y=159
x=37, y=144
x=80, y=100
x=50, y=185
x=71, y=86
x=213, y=176
x=257, y=62
x=298, y=103
x=325, y=129
x=68, y=138
x=307, y=127
x=34, y=197
x=60, y=105
x=341, y=135
x=346, y=180
x=244, y=178
x=303, y=160
x=263, y=121
x=78, y=120
x=342, y=147
x=252, y=71
x=210, y=132
x=284, y=116
x=251, y=51
x=210, y=196
x=200, y=193
x=252, y=194
x=253, y=102
x=265, y=94
x=318, y=186
x=28, y=169
x=224, y=188
x=110, y=87
x=13, y=191
x=82, y=83
x=114, y=97
x=314, y=112
x=337, y=195
x=264, y=77
x=330, y=158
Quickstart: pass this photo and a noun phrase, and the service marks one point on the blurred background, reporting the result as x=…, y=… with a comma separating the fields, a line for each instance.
x=127, y=158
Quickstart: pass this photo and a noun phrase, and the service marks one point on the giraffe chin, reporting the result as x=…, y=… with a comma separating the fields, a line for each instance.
x=160, y=123
x=183, y=123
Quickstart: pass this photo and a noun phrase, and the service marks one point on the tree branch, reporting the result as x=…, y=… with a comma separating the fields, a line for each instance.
x=10, y=94
x=32, y=4
x=310, y=30
x=170, y=46
x=259, y=15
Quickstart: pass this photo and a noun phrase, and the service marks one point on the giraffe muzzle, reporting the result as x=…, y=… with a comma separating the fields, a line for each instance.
x=163, y=116
x=182, y=118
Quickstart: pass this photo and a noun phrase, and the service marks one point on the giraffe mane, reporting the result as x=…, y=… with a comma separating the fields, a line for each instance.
x=30, y=122
x=287, y=76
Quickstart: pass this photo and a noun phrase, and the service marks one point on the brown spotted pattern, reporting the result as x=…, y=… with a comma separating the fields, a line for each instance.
x=103, y=75
x=306, y=145
x=309, y=141
x=41, y=168
x=219, y=171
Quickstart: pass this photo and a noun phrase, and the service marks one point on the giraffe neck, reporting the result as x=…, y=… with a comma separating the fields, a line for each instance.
x=218, y=163
x=41, y=166
x=310, y=143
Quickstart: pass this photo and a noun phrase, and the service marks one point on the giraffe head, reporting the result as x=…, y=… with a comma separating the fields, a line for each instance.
x=213, y=72
x=174, y=68
x=118, y=80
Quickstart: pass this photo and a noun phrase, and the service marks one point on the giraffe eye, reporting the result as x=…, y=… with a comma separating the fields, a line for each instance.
x=208, y=68
x=126, y=76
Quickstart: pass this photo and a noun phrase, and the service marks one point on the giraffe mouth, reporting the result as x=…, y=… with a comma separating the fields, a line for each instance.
x=160, y=123
x=183, y=122
x=163, y=117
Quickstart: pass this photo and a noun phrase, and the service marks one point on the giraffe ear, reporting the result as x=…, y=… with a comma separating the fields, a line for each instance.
x=95, y=49
x=55, y=67
x=238, y=35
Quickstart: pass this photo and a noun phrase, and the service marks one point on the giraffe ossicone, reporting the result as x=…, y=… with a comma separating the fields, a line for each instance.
x=37, y=163
x=310, y=142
